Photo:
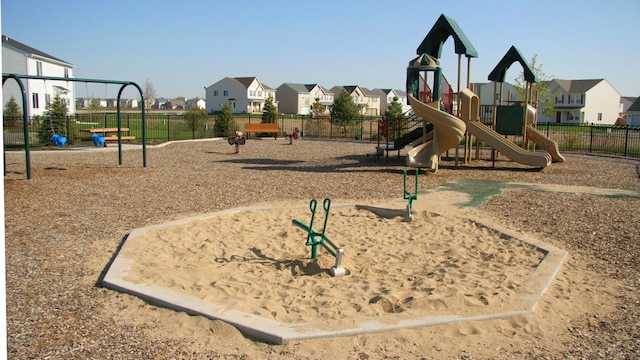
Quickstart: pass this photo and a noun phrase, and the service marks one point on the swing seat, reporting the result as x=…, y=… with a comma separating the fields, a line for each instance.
x=58, y=140
x=97, y=140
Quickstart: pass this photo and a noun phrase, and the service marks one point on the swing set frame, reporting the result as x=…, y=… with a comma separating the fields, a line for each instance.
x=19, y=77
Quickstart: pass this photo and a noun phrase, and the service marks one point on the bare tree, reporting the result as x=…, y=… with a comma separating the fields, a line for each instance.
x=149, y=94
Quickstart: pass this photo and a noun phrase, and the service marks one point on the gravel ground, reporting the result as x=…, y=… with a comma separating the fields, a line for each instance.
x=65, y=224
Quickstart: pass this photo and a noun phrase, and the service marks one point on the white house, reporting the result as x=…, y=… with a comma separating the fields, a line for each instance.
x=633, y=113
x=368, y=102
x=592, y=101
x=196, y=103
x=489, y=91
x=243, y=94
x=18, y=58
x=299, y=98
x=387, y=96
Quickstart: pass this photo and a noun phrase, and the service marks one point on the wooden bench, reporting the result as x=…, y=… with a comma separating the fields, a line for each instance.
x=262, y=128
x=104, y=131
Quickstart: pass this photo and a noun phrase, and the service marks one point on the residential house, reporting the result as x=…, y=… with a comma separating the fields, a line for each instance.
x=195, y=103
x=18, y=58
x=243, y=94
x=490, y=91
x=299, y=98
x=387, y=96
x=368, y=102
x=633, y=113
x=592, y=101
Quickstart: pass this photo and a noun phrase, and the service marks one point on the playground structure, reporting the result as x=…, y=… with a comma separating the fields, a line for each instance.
x=316, y=239
x=427, y=101
x=59, y=142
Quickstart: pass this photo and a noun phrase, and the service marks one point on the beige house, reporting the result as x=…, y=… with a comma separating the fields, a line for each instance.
x=243, y=94
x=592, y=101
x=299, y=98
x=368, y=101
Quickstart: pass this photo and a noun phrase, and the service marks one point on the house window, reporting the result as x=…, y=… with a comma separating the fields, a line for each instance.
x=34, y=100
x=599, y=116
x=225, y=93
x=252, y=93
x=66, y=72
x=575, y=99
x=559, y=99
x=39, y=68
x=259, y=93
x=215, y=92
x=573, y=116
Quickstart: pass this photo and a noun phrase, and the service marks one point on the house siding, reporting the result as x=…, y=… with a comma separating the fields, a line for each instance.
x=18, y=61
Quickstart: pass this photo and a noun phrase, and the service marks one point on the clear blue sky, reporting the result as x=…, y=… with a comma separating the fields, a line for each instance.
x=183, y=46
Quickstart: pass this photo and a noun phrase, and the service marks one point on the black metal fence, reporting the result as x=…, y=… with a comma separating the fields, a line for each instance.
x=604, y=139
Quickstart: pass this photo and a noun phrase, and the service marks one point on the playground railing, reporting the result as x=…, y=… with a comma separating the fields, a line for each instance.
x=161, y=127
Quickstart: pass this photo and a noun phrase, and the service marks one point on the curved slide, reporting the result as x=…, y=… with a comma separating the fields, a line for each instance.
x=545, y=143
x=447, y=133
x=538, y=138
x=506, y=147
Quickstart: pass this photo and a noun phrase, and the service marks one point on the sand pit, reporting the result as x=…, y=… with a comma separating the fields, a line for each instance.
x=255, y=261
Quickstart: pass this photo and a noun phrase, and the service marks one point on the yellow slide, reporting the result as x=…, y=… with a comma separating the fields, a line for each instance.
x=470, y=113
x=506, y=147
x=447, y=133
x=539, y=139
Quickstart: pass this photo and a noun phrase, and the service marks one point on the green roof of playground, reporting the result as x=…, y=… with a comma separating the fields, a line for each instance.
x=513, y=54
x=439, y=33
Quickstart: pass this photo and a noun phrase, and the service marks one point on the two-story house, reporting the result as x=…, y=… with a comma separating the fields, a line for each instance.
x=368, y=102
x=592, y=101
x=243, y=94
x=299, y=98
x=387, y=96
x=633, y=113
x=18, y=58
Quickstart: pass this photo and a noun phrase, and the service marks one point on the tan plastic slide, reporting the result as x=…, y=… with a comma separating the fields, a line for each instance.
x=447, y=133
x=470, y=112
x=538, y=138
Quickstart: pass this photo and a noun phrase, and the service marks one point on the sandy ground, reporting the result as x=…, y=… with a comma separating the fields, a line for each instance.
x=64, y=226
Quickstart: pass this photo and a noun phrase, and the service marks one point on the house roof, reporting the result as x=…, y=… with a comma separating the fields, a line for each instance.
x=245, y=81
x=635, y=106
x=577, y=86
x=29, y=50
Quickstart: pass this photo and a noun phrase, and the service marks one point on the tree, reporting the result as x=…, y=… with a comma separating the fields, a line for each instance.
x=318, y=110
x=12, y=113
x=149, y=94
x=195, y=118
x=269, y=112
x=394, y=111
x=546, y=103
x=223, y=121
x=54, y=120
x=344, y=111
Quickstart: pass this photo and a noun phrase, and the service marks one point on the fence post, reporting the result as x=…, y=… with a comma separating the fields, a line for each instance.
x=193, y=126
x=168, y=130
x=331, y=128
x=626, y=139
x=591, y=138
